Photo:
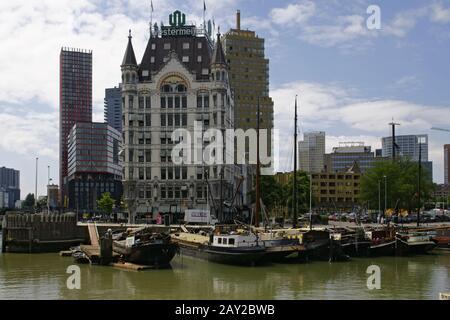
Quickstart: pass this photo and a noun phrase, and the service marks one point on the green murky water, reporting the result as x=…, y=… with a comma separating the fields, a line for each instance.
x=43, y=276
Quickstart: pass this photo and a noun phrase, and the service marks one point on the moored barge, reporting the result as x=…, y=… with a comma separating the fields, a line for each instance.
x=235, y=248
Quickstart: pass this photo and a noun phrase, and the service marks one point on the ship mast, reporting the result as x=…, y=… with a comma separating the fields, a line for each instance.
x=258, y=195
x=419, y=181
x=294, y=199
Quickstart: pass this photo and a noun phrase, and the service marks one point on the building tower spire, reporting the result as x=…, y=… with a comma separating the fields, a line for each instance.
x=218, y=58
x=129, y=58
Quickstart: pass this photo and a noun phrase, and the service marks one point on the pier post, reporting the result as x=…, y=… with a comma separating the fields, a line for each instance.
x=4, y=231
x=106, y=249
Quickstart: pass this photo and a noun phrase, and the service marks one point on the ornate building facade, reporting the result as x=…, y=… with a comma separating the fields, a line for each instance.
x=182, y=82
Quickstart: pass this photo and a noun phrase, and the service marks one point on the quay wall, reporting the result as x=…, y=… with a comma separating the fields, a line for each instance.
x=39, y=232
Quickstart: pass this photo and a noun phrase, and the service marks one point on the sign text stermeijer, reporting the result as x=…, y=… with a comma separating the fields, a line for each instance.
x=178, y=28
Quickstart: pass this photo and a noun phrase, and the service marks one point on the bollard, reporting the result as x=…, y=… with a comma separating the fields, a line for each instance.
x=106, y=249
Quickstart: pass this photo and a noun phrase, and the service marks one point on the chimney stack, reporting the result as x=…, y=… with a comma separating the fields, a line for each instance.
x=238, y=20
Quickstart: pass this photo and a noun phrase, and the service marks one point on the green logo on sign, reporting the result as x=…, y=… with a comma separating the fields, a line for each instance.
x=177, y=19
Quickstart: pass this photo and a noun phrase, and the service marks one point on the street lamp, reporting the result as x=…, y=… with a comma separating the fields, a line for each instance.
x=35, y=186
x=385, y=196
x=48, y=190
x=310, y=201
x=379, y=199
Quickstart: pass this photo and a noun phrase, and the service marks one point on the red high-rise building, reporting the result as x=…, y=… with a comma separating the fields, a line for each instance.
x=447, y=164
x=75, y=101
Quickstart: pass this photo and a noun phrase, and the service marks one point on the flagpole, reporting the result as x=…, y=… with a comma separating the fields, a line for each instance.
x=204, y=15
x=151, y=18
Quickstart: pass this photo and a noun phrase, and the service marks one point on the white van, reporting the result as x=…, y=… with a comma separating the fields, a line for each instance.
x=199, y=217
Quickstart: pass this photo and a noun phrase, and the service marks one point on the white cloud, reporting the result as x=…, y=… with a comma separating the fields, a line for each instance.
x=339, y=24
x=346, y=29
x=404, y=22
x=29, y=133
x=439, y=13
x=293, y=14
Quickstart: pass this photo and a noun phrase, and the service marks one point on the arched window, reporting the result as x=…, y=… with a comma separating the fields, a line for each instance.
x=127, y=78
x=218, y=75
x=223, y=76
x=133, y=78
x=181, y=88
x=167, y=88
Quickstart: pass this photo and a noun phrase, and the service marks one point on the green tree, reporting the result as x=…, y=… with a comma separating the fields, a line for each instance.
x=41, y=204
x=402, y=184
x=28, y=203
x=271, y=192
x=302, y=192
x=106, y=203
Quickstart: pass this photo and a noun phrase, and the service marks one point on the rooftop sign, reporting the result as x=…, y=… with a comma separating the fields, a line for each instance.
x=178, y=28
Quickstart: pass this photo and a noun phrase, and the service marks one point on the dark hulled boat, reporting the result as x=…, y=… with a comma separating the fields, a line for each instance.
x=239, y=248
x=442, y=238
x=323, y=246
x=415, y=242
x=383, y=242
x=280, y=244
x=146, y=248
x=355, y=243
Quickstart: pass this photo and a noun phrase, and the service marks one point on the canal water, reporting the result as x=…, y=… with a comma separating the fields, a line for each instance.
x=43, y=276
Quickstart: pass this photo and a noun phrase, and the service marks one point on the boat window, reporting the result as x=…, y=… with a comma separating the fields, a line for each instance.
x=219, y=240
x=231, y=242
x=225, y=241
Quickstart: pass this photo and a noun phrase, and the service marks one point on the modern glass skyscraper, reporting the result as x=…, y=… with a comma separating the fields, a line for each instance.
x=344, y=157
x=311, y=152
x=446, y=164
x=407, y=146
x=94, y=165
x=9, y=187
x=75, y=100
x=113, y=107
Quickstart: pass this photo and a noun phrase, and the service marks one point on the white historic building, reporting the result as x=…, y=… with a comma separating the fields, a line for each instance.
x=180, y=81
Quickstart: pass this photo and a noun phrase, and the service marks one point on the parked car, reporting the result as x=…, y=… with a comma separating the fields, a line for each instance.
x=332, y=217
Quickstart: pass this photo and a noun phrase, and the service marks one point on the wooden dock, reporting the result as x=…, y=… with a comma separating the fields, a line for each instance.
x=93, y=234
x=131, y=266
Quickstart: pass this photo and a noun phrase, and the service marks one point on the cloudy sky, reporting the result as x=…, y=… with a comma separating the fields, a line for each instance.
x=351, y=81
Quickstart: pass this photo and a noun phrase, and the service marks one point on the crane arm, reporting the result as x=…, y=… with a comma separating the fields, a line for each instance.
x=440, y=129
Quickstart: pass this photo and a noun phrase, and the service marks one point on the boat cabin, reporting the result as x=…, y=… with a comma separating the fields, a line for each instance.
x=234, y=240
